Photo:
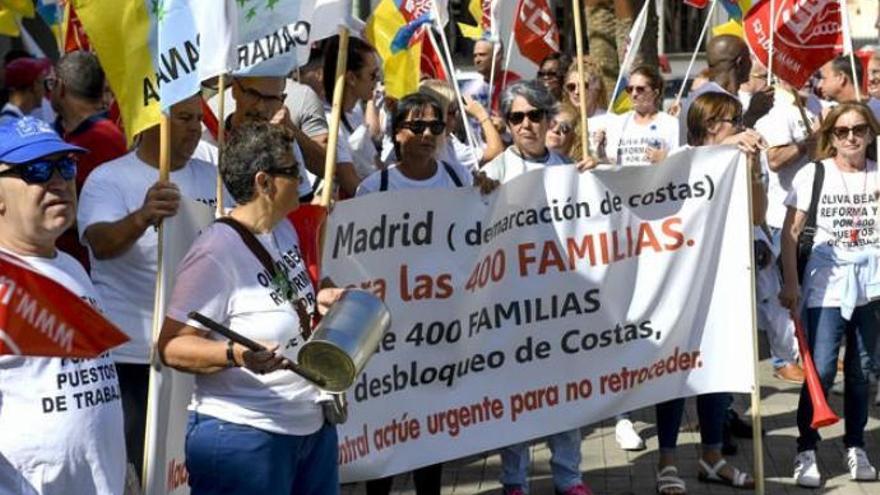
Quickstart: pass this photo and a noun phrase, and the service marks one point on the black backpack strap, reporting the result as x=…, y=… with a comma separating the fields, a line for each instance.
x=383, y=180
x=818, y=180
x=452, y=174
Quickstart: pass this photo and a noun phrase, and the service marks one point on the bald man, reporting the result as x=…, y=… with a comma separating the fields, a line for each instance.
x=729, y=64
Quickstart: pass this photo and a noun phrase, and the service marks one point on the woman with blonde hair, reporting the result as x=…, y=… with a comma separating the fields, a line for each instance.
x=596, y=102
x=838, y=287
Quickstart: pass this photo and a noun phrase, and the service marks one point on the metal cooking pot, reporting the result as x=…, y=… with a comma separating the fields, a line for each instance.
x=345, y=339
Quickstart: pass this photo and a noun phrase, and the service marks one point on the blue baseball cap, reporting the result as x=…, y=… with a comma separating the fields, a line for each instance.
x=27, y=139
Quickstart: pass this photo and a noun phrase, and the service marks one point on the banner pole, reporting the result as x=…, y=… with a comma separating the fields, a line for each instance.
x=507, y=55
x=335, y=116
x=158, y=317
x=447, y=54
x=221, y=140
x=495, y=46
x=757, y=445
x=696, y=51
x=582, y=91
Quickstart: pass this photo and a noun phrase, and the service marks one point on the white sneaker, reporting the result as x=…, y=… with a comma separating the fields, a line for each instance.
x=806, y=471
x=860, y=468
x=626, y=436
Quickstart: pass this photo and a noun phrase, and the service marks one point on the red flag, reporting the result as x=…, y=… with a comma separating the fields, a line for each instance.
x=307, y=220
x=431, y=66
x=808, y=34
x=74, y=35
x=535, y=30
x=40, y=317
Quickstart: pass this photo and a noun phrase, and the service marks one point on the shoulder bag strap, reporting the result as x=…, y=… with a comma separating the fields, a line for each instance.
x=818, y=180
x=279, y=279
x=452, y=174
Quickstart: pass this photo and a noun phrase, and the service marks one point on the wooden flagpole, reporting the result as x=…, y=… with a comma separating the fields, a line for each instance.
x=752, y=161
x=335, y=117
x=221, y=140
x=582, y=90
x=158, y=317
x=696, y=51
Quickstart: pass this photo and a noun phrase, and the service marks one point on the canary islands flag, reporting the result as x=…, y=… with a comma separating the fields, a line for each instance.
x=393, y=29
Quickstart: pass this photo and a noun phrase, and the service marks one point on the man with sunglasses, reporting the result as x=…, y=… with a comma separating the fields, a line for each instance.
x=53, y=439
x=121, y=204
x=527, y=107
x=261, y=99
x=25, y=79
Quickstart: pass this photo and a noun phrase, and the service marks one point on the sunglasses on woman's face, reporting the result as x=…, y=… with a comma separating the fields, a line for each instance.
x=535, y=116
x=418, y=126
x=859, y=131
x=40, y=172
x=563, y=128
x=291, y=172
x=637, y=90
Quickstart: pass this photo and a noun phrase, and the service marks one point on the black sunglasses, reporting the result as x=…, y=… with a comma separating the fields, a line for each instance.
x=547, y=74
x=40, y=172
x=536, y=116
x=418, y=126
x=291, y=172
x=859, y=131
x=262, y=97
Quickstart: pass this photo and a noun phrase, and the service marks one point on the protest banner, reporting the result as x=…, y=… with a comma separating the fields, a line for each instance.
x=40, y=317
x=559, y=300
x=170, y=391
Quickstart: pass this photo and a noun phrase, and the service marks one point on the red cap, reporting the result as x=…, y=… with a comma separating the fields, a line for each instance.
x=23, y=72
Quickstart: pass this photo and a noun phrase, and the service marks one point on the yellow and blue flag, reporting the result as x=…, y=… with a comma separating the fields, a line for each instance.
x=395, y=30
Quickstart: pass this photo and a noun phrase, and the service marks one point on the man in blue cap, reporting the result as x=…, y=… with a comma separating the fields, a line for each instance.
x=62, y=418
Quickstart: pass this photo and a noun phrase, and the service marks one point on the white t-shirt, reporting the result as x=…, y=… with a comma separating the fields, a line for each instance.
x=455, y=151
x=126, y=283
x=357, y=144
x=849, y=201
x=781, y=126
x=222, y=279
x=628, y=141
x=396, y=180
x=510, y=164
x=61, y=429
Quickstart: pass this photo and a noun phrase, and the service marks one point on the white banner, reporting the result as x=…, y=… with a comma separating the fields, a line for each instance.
x=171, y=391
x=559, y=300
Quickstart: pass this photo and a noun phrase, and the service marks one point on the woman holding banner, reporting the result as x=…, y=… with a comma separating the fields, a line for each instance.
x=644, y=135
x=254, y=427
x=418, y=128
x=713, y=118
x=839, y=280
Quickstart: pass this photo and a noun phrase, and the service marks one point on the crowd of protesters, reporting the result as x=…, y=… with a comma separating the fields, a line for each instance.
x=81, y=205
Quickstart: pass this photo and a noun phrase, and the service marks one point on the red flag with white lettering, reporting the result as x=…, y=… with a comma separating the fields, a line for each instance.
x=808, y=34
x=535, y=30
x=40, y=317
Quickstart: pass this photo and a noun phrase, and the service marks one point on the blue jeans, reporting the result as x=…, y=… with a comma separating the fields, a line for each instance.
x=224, y=457
x=565, y=461
x=711, y=412
x=825, y=329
